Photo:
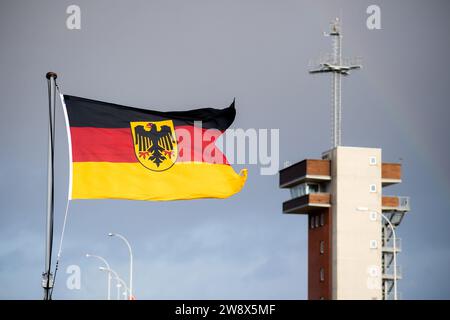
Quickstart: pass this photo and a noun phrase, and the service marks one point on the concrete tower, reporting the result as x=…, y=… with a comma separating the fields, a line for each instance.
x=351, y=246
x=352, y=243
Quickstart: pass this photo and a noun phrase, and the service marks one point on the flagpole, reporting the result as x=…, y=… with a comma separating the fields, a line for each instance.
x=47, y=277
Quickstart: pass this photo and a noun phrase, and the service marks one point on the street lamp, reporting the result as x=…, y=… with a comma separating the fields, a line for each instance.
x=119, y=280
x=127, y=290
x=393, y=245
x=131, y=260
x=118, y=285
x=107, y=266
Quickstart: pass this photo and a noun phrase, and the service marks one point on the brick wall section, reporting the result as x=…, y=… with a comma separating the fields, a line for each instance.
x=318, y=289
x=389, y=201
x=391, y=171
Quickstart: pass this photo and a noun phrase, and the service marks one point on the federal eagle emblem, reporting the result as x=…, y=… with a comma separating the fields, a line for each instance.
x=155, y=144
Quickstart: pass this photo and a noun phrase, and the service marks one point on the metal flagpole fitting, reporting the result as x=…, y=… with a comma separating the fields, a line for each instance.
x=50, y=75
x=47, y=276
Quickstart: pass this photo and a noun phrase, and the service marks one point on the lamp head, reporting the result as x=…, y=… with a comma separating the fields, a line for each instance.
x=110, y=234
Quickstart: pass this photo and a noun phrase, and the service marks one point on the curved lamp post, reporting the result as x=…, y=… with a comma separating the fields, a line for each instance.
x=107, y=266
x=119, y=280
x=131, y=260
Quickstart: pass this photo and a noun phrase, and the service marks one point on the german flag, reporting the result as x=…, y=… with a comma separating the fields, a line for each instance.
x=120, y=152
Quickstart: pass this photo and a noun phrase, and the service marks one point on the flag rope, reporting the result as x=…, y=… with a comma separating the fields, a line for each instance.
x=60, y=246
x=58, y=257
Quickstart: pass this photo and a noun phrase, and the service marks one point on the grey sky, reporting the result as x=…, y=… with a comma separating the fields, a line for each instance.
x=183, y=54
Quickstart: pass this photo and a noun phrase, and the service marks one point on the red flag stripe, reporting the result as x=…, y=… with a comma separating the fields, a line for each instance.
x=91, y=144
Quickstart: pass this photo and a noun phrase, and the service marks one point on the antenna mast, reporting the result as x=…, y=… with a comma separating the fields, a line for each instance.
x=338, y=67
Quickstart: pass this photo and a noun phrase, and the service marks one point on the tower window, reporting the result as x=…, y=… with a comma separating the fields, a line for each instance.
x=322, y=247
x=316, y=222
x=312, y=188
x=373, y=188
x=372, y=161
x=322, y=275
x=296, y=191
x=322, y=219
x=373, y=216
x=311, y=222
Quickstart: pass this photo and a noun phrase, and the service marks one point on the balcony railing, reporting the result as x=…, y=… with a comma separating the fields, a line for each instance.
x=307, y=203
x=390, y=295
x=396, y=203
x=388, y=273
x=389, y=245
x=404, y=203
x=391, y=173
x=306, y=170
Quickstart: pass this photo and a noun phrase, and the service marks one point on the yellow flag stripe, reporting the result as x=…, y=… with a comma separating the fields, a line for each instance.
x=185, y=180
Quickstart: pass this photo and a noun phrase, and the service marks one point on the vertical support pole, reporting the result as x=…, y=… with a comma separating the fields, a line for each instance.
x=109, y=285
x=337, y=80
x=335, y=109
x=47, y=277
x=336, y=88
x=339, y=92
x=395, y=261
x=334, y=65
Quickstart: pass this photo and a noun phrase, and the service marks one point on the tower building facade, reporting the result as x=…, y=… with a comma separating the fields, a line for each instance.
x=352, y=243
x=352, y=239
